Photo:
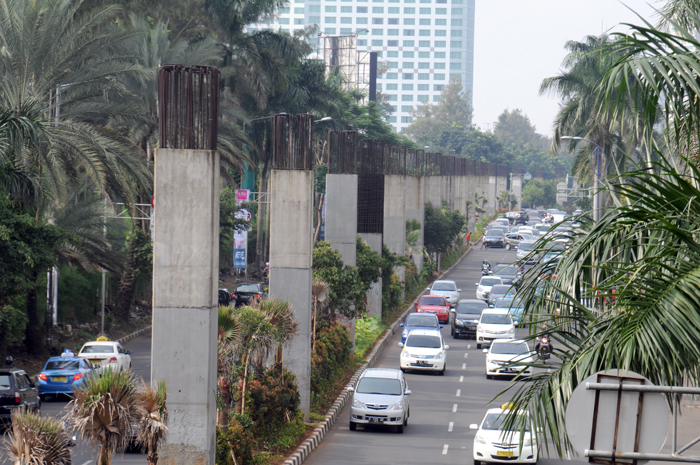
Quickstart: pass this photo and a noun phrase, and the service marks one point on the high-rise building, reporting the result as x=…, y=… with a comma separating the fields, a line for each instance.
x=424, y=43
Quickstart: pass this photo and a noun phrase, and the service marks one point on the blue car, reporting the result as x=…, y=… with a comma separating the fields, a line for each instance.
x=419, y=320
x=514, y=305
x=60, y=374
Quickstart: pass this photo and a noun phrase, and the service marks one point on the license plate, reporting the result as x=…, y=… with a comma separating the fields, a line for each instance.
x=59, y=378
x=376, y=420
x=421, y=362
x=504, y=453
x=96, y=363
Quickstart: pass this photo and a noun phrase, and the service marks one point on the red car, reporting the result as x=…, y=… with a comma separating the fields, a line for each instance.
x=434, y=304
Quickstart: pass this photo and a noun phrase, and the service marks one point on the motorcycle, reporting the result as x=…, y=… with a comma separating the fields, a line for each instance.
x=266, y=273
x=486, y=272
x=544, y=347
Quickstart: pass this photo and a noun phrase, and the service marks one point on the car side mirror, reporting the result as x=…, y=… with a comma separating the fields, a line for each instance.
x=129, y=352
x=476, y=284
x=447, y=347
x=351, y=389
x=459, y=290
x=440, y=326
x=400, y=344
x=486, y=351
x=473, y=426
x=415, y=303
x=36, y=383
x=452, y=310
x=401, y=324
x=407, y=392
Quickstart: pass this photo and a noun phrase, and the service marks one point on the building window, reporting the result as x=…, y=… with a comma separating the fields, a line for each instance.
x=423, y=65
x=392, y=21
x=392, y=54
x=423, y=77
x=408, y=54
x=422, y=98
x=440, y=43
x=286, y=10
x=392, y=107
x=393, y=32
x=407, y=65
x=314, y=8
x=377, y=20
x=409, y=21
x=456, y=22
x=314, y=19
x=406, y=119
x=394, y=10
x=424, y=87
x=379, y=86
x=284, y=30
x=436, y=98
x=377, y=32
x=345, y=20
x=283, y=20
x=299, y=21
x=407, y=76
x=408, y=43
x=454, y=77
x=409, y=32
x=426, y=1
x=441, y=22
x=424, y=21
x=440, y=33
x=393, y=43
x=409, y=11
x=392, y=64
x=456, y=33
x=392, y=119
x=346, y=30
x=362, y=9
x=455, y=44
x=424, y=54
x=456, y=11
x=346, y=9
x=392, y=97
x=298, y=1
x=424, y=32
x=438, y=77
x=330, y=9
x=457, y=2
x=392, y=87
x=360, y=20
x=440, y=11
x=362, y=42
x=378, y=9
x=456, y=55
x=377, y=43
x=330, y=19
x=406, y=108
x=439, y=66
x=455, y=65
x=330, y=30
x=438, y=87
x=407, y=98
x=406, y=86
x=425, y=11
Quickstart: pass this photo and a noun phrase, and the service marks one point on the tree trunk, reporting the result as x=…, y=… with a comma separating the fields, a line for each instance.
x=245, y=381
x=152, y=453
x=127, y=285
x=319, y=217
x=103, y=456
x=34, y=336
x=259, y=253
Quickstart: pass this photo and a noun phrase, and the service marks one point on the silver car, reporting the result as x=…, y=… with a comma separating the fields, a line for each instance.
x=446, y=289
x=380, y=398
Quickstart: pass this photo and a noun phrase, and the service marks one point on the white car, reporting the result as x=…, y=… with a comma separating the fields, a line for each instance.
x=493, y=444
x=446, y=289
x=484, y=286
x=424, y=350
x=508, y=357
x=494, y=324
x=103, y=354
x=524, y=249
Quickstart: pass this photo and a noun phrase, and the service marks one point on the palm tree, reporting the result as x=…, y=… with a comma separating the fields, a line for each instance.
x=37, y=440
x=320, y=301
x=228, y=335
x=153, y=425
x=504, y=199
x=104, y=410
x=627, y=294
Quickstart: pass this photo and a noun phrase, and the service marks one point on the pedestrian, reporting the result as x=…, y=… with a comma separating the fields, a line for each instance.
x=466, y=239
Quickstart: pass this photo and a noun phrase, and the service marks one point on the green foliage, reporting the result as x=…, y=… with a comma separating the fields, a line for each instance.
x=369, y=265
x=330, y=360
x=367, y=331
x=540, y=193
x=345, y=287
x=514, y=128
x=239, y=440
x=441, y=227
x=272, y=401
x=12, y=324
x=78, y=292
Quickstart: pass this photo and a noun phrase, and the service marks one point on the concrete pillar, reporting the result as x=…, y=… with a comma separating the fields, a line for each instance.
x=341, y=223
x=492, y=194
x=185, y=299
x=374, y=296
x=433, y=193
x=395, y=217
x=502, y=186
x=516, y=188
x=291, y=247
x=415, y=210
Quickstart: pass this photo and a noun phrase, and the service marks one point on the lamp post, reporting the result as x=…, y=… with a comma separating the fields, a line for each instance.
x=601, y=164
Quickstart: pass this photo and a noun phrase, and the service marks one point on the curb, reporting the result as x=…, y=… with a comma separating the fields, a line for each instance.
x=134, y=335
x=312, y=442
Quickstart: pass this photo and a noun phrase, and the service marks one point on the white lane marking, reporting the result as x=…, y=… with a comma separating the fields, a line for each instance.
x=466, y=354
x=454, y=408
x=464, y=366
x=459, y=392
x=461, y=379
x=88, y=462
x=449, y=428
x=444, y=449
x=469, y=346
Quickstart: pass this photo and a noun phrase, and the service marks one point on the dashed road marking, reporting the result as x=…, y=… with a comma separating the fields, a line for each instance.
x=454, y=408
x=469, y=346
x=466, y=354
x=451, y=425
x=464, y=366
x=461, y=379
x=459, y=392
x=444, y=449
x=88, y=462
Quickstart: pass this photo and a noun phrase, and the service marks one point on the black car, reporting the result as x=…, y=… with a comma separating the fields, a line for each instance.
x=466, y=317
x=494, y=238
x=224, y=297
x=246, y=294
x=17, y=391
x=523, y=218
x=498, y=291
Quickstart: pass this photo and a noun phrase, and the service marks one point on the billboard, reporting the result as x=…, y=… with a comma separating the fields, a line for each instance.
x=240, y=237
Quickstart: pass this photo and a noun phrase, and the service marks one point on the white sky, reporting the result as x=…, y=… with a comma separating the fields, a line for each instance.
x=518, y=43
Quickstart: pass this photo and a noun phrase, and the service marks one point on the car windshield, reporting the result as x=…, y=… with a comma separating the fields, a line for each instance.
x=247, y=288
x=62, y=365
x=493, y=421
x=432, y=301
x=508, y=302
x=423, y=321
x=490, y=281
x=423, y=340
x=471, y=308
x=496, y=319
x=444, y=287
x=525, y=246
x=508, y=270
x=509, y=348
x=5, y=384
x=97, y=349
x=391, y=387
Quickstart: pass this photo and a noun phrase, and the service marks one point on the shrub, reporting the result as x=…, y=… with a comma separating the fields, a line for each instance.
x=272, y=400
x=331, y=357
x=238, y=440
x=366, y=333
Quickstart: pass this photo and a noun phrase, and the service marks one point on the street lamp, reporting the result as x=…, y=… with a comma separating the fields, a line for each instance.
x=601, y=164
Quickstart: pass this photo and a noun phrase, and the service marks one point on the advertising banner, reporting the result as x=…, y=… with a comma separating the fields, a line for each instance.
x=240, y=237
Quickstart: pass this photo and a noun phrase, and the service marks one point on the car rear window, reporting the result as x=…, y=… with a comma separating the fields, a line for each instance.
x=62, y=365
x=525, y=246
x=509, y=348
x=507, y=302
x=98, y=349
x=386, y=386
x=247, y=288
x=496, y=319
x=494, y=232
x=471, y=308
x=5, y=383
x=500, y=289
x=423, y=340
x=444, y=287
x=490, y=281
x=422, y=321
x=432, y=301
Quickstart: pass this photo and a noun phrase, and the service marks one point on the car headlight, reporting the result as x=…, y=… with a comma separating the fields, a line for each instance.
x=404, y=353
x=479, y=440
x=459, y=322
x=405, y=333
x=396, y=406
x=358, y=404
x=438, y=355
x=527, y=442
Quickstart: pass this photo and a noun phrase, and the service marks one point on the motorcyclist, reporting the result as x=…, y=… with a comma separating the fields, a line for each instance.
x=545, y=339
x=10, y=362
x=485, y=265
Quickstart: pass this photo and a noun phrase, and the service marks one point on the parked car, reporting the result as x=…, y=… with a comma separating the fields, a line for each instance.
x=380, y=398
x=16, y=392
x=484, y=286
x=494, y=444
x=419, y=321
x=61, y=374
x=498, y=291
x=514, y=306
x=246, y=294
x=494, y=324
x=466, y=317
x=224, y=297
x=424, y=350
x=434, y=304
x=104, y=354
x=446, y=289
x=494, y=238
x=508, y=357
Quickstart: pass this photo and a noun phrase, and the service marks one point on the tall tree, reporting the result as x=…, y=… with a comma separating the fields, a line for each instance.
x=514, y=128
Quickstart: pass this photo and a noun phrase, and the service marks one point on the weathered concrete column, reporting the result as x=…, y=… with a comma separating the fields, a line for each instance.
x=395, y=217
x=433, y=191
x=415, y=210
x=491, y=192
x=374, y=296
x=185, y=299
x=291, y=249
x=502, y=181
x=516, y=187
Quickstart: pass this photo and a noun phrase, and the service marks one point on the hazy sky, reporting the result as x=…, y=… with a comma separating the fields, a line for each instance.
x=520, y=42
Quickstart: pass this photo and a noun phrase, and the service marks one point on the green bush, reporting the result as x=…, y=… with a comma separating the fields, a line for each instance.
x=272, y=401
x=367, y=331
x=239, y=440
x=331, y=358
